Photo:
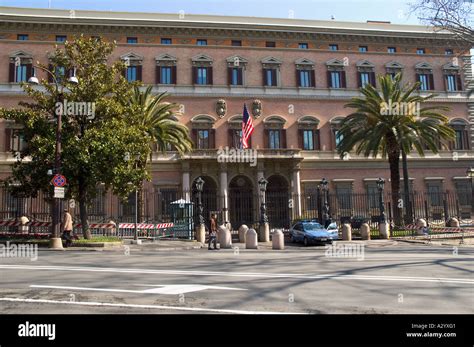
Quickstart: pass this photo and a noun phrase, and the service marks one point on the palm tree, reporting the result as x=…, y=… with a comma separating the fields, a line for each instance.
x=159, y=119
x=377, y=127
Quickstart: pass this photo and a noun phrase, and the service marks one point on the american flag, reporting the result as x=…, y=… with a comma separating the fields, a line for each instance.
x=247, y=128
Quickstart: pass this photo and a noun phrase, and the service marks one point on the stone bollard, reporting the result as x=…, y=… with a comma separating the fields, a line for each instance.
x=453, y=222
x=201, y=233
x=347, y=232
x=365, y=231
x=224, y=237
x=264, y=233
x=278, y=240
x=23, y=228
x=384, y=229
x=242, y=230
x=420, y=226
x=251, y=239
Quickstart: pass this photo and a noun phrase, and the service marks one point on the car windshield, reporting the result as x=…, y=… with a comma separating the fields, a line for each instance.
x=312, y=226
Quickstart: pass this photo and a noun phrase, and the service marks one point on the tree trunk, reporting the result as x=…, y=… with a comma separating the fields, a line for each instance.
x=406, y=190
x=394, y=162
x=86, y=233
x=141, y=204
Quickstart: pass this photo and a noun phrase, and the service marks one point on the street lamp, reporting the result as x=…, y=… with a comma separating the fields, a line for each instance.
x=324, y=184
x=262, y=183
x=470, y=174
x=199, y=187
x=56, y=229
x=380, y=186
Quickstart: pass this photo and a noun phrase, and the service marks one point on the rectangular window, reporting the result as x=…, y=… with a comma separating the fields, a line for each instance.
x=460, y=139
x=338, y=136
x=333, y=47
x=363, y=49
x=303, y=45
x=336, y=79
x=60, y=72
x=21, y=74
x=464, y=193
x=236, y=43
x=236, y=76
x=202, y=75
x=372, y=195
x=364, y=79
x=305, y=78
x=165, y=76
x=424, y=81
x=344, y=196
x=308, y=140
x=203, y=139
x=274, y=139
x=201, y=42
x=391, y=50
x=132, y=73
x=236, y=138
x=270, y=77
x=435, y=194
x=448, y=51
x=420, y=51
x=22, y=37
x=61, y=38
x=165, y=41
x=270, y=44
x=132, y=40
x=451, y=83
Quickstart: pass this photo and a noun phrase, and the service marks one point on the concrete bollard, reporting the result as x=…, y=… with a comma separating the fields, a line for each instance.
x=420, y=226
x=278, y=240
x=242, y=230
x=224, y=237
x=365, y=231
x=23, y=228
x=251, y=239
x=384, y=229
x=347, y=232
x=453, y=222
x=201, y=233
x=264, y=233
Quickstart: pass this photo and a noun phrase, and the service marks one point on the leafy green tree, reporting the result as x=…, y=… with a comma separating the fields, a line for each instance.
x=160, y=120
x=376, y=129
x=93, y=148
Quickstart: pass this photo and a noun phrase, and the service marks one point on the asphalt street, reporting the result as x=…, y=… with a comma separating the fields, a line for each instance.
x=389, y=277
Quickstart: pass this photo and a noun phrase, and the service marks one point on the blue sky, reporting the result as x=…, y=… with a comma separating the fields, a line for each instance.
x=395, y=11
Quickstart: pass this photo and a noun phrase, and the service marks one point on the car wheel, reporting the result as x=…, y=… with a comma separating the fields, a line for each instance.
x=305, y=242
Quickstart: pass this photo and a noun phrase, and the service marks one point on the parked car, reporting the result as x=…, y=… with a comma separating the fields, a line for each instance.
x=311, y=232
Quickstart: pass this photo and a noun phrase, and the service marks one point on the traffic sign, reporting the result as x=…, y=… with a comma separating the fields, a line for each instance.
x=59, y=192
x=59, y=181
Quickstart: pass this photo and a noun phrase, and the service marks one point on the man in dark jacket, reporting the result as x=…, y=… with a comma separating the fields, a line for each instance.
x=213, y=232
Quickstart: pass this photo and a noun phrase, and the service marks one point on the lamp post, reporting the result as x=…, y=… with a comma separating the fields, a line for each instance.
x=56, y=229
x=264, y=228
x=199, y=186
x=470, y=174
x=324, y=184
x=380, y=186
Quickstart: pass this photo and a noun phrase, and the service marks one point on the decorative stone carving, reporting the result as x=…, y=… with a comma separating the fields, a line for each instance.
x=257, y=108
x=221, y=108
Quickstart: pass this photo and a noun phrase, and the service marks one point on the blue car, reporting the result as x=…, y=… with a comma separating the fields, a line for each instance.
x=311, y=232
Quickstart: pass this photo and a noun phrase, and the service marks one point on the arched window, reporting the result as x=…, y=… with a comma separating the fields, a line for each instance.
x=461, y=142
x=335, y=126
x=274, y=132
x=203, y=133
x=308, y=133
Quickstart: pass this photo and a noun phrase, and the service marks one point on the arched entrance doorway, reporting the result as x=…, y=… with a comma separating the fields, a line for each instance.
x=208, y=198
x=241, y=207
x=277, y=202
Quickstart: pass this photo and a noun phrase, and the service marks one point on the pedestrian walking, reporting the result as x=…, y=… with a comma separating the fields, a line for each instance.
x=213, y=232
x=67, y=228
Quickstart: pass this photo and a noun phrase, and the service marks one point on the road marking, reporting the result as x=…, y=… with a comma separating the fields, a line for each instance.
x=165, y=289
x=241, y=274
x=160, y=307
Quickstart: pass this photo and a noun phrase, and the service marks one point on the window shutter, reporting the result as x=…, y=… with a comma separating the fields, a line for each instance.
x=313, y=78
x=301, y=138
x=124, y=72
x=240, y=76
x=266, y=139
x=283, y=138
x=8, y=135
x=11, y=76
x=231, y=137
x=139, y=73
x=249, y=141
x=431, y=79
x=445, y=82
x=465, y=138
x=373, y=80
x=209, y=76
x=459, y=82
x=329, y=79
x=212, y=138
x=194, y=136
x=174, y=74
x=359, y=79
x=195, y=74
x=298, y=78
x=274, y=77
x=158, y=74
x=264, y=76
x=343, y=79
x=229, y=76
x=29, y=71
x=50, y=78
x=417, y=79
x=317, y=140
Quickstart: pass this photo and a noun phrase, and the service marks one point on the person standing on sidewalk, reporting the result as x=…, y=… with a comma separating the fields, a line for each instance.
x=67, y=228
x=213, y=232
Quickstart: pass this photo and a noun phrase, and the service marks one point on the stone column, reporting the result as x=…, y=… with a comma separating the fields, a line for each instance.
x=186, y=186
x=224, y=194
x=296, y=190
